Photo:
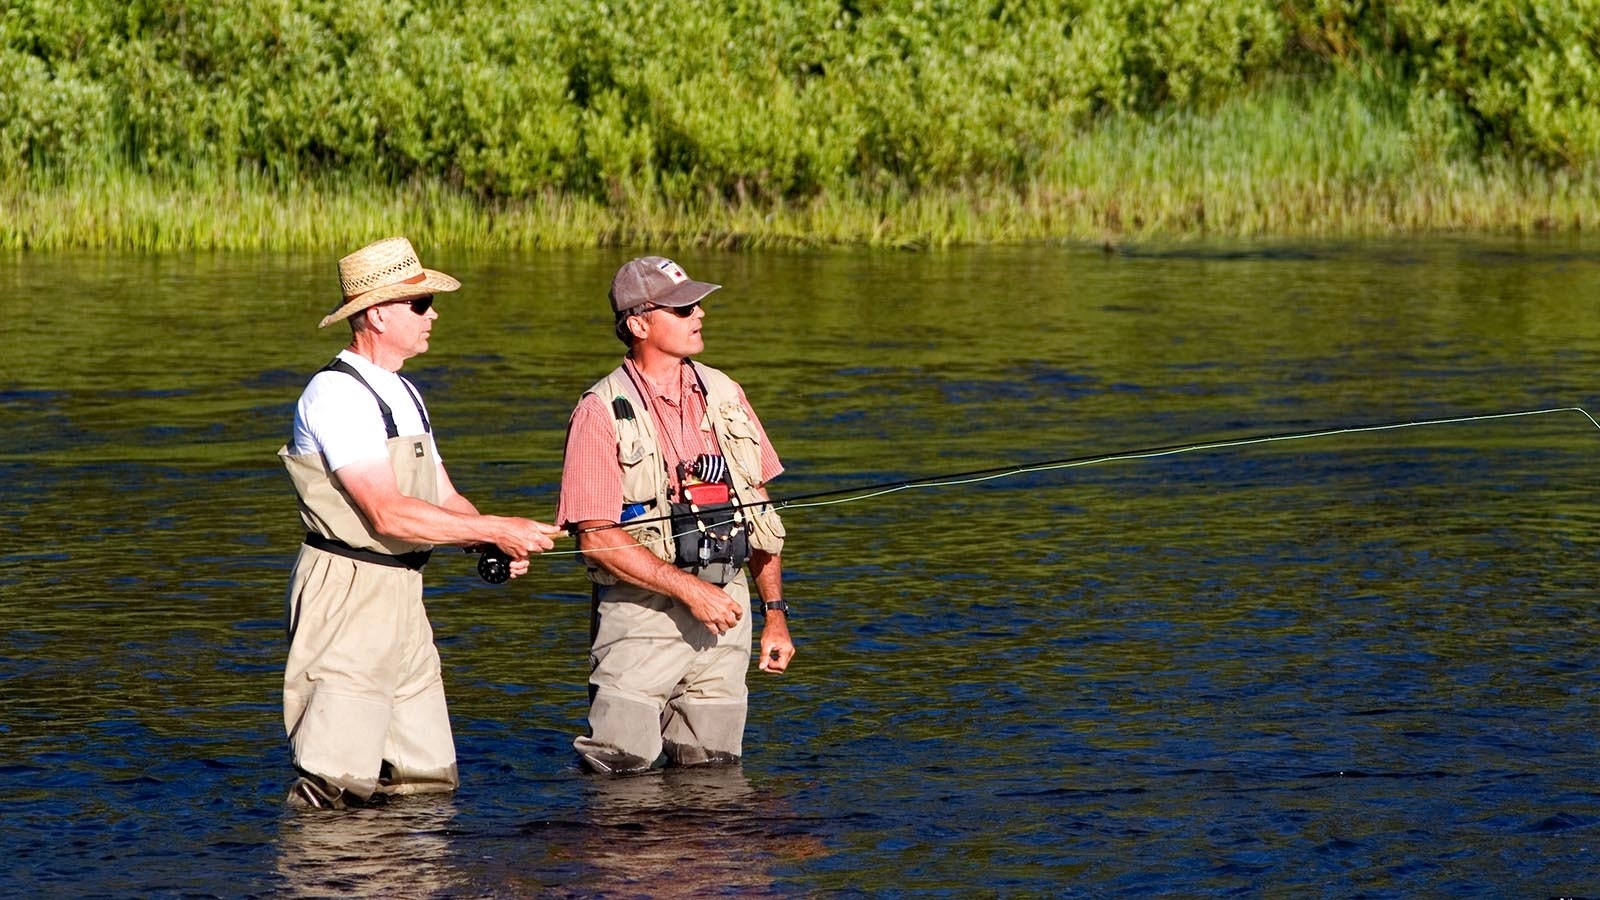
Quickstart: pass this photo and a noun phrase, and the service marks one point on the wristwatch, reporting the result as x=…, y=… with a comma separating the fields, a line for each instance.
x=779, y=605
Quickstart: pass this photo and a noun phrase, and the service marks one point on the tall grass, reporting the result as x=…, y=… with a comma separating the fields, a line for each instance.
x=1337, y=156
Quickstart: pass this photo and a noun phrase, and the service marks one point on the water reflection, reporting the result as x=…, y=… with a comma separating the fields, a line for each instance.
x=403, y=849
x=692, y=832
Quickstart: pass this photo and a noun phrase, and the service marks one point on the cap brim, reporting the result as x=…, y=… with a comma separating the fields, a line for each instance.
x=689, y=292
x=432, y=283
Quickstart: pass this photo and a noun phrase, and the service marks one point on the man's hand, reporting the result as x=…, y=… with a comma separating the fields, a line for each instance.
x=710, y=604
x=521, y=538
x=777, y=648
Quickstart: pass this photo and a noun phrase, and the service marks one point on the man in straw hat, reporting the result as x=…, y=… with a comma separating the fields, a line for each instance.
x=664, y=477
x=363, y=698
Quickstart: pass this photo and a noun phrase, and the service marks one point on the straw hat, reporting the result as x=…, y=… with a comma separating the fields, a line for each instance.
x=382, y=271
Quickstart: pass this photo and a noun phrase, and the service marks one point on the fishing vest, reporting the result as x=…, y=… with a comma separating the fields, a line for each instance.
x=333, y=521
x=646, y=484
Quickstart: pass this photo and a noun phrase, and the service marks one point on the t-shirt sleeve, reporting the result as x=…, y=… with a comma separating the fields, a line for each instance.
x=339, y=417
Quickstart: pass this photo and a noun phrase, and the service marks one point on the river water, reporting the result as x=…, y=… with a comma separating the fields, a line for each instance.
x=1360, y=664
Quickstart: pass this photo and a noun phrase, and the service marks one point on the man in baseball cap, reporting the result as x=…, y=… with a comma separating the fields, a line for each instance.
x=664, y=479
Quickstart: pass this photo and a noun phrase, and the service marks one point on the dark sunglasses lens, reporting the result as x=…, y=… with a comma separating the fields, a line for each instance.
x=421, y=305
x=684, y=312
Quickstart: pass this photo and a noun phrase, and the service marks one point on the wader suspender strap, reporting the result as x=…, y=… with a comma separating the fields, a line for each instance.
x=339, y=365
x=414, y=560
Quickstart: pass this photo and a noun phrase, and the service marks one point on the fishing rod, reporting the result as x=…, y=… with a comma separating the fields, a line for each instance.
x=870, y=491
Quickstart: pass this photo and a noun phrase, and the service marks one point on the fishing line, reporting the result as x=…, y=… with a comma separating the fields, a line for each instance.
x=962, y=478
x=955, y=479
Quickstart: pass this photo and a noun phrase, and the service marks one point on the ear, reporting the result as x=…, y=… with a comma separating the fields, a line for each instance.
x=374, y=316
x=638, y=326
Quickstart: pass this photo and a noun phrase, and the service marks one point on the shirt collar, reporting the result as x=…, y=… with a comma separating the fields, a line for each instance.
x=686, y=379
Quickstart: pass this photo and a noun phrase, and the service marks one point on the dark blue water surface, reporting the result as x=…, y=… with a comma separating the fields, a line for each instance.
x=1355, y=665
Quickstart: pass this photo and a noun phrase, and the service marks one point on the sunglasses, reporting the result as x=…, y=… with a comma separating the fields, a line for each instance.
x=419, y=305
x=682, y=312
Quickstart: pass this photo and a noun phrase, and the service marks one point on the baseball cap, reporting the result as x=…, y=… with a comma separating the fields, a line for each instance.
x=657, y=281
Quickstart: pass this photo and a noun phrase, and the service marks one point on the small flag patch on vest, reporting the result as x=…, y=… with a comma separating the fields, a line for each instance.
x=672, y=271
x=416, y=450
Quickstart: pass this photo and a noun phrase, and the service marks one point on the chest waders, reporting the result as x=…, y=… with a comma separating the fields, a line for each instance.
x=363, y=696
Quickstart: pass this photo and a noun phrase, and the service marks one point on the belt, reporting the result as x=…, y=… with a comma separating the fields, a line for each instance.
x=414, y=560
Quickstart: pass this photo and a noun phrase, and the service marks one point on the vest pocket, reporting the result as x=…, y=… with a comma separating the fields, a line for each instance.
x=743, y=447
x=632, y=454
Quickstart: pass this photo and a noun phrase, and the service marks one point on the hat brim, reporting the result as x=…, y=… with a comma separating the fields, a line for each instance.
x=432, y=283
x=684, y=294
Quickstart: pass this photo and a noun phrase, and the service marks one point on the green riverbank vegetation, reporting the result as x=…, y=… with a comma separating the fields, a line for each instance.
x=274, y=124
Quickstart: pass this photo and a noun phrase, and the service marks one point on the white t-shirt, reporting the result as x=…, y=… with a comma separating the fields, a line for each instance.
x=339, y=418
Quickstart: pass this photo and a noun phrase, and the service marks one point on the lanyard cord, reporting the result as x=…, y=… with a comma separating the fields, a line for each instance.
x=653, y=410
x=685, y=462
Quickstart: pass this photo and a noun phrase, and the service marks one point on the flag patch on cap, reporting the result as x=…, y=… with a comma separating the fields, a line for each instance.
x=672, y=271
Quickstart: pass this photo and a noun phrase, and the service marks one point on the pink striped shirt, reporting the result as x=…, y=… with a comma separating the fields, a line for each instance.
x=591, y=476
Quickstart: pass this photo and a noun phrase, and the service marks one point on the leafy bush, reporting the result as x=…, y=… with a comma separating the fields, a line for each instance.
x=650, y=102
x=1525, y=72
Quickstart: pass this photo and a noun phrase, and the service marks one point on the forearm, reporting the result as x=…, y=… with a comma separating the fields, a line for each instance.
x=617, y=552
x=767, y=571
x=451, y=521
x=417, y=521
x=777, y=647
